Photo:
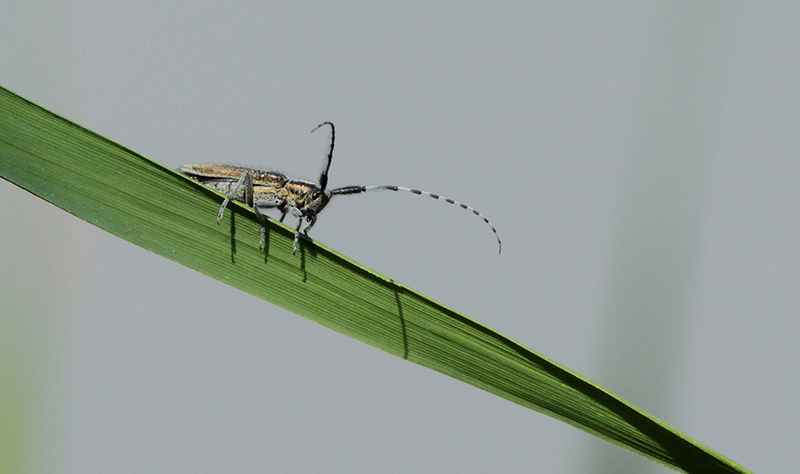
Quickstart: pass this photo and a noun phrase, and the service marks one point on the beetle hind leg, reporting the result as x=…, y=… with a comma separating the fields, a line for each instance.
x=245, y=181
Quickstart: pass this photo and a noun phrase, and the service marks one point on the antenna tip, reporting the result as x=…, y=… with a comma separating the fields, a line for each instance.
x=320, y=125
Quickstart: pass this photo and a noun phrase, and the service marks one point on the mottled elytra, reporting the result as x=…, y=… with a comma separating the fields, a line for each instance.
x=264, y=190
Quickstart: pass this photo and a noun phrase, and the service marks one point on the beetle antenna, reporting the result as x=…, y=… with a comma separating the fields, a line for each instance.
x=364, y=189
x=323, y=179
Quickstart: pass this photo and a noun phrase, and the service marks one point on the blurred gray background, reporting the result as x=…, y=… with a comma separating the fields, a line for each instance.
x=638, y=158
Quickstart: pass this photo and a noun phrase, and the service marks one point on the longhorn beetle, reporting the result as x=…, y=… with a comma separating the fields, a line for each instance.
x=264, y=190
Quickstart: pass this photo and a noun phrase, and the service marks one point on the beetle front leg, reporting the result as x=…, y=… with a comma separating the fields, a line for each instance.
x=311, y=223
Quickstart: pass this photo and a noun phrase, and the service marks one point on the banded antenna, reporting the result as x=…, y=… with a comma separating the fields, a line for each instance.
x=363, y=189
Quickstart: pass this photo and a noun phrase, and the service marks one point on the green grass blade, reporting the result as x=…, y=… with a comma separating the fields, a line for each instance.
x=155, y=208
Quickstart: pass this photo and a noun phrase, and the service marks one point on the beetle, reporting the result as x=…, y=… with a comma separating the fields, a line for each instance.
x=263, y=190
